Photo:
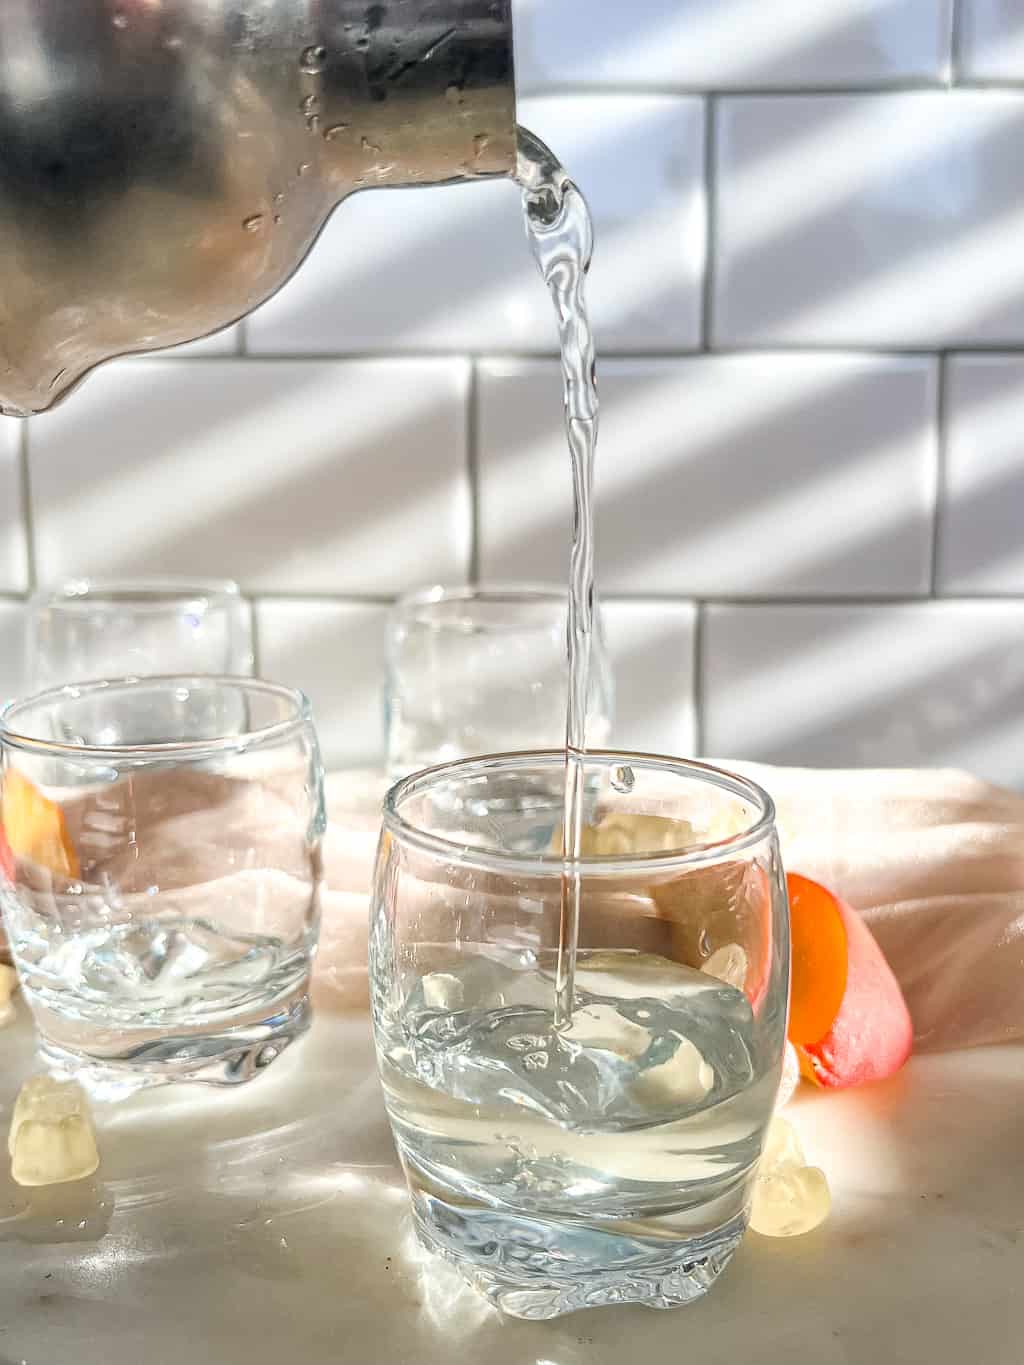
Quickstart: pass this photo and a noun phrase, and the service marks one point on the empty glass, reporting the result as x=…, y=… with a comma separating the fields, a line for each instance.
x=161, y=874
x=483, y=670
x=609, y=1161
x=89, y=629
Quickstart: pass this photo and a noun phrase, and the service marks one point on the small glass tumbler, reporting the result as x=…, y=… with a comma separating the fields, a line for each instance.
x=483, y=670
x=607, y=1158
x=89, y=629
x=161, y=875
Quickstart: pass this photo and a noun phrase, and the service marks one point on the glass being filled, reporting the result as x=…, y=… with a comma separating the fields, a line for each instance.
x=608, y=1159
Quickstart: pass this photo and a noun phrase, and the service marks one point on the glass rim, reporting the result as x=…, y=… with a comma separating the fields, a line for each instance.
x=529, y=594
x=175, y=748
x=133, y=594
x=551, y=863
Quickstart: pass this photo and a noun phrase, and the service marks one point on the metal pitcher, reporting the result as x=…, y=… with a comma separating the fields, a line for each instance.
x=165, y=165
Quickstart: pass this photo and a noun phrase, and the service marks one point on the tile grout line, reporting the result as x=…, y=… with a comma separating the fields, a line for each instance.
x=473, y=469
x=27, y=517
x=956, y=19
x=941, y=441
x=698, y=679
x=710, y=218
x=895, y=85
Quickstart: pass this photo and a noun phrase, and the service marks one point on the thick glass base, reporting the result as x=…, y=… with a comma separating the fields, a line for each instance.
x=228, y=1056
x=532, y=1267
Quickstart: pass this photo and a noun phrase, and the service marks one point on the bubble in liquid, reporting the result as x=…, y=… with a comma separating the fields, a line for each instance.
x=312, y=60
x=623, y=778
x=253, y=223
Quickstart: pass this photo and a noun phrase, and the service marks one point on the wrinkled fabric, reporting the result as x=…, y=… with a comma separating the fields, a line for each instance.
x=933, y=859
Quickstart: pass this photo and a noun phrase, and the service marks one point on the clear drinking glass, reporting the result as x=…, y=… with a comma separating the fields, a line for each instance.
x=483, y=670
x=161, y=885
x=609, y=1161
x=89, y=628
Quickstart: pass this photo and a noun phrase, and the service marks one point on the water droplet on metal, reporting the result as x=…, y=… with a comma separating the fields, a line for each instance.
x=335, y=130
x=172, y=42
x=369, y=146
x=623, y=778
x=704, y=944
x=119, y=20
x=278, y=198
x=312, y=123
x=283, y=1243
x=312, y=59
x=277, y=219
x=307, y=104
x=253, y=223
x=303, y=167
x=480, y=144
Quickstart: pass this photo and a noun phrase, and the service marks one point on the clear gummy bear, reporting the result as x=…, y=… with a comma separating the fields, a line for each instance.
x=52, y=1139
x=790, y=1197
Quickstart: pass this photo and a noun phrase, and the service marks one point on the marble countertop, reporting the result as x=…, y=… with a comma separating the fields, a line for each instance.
x=269, y=1224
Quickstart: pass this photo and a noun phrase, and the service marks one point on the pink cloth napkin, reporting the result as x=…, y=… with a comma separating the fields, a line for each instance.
x=934, y=859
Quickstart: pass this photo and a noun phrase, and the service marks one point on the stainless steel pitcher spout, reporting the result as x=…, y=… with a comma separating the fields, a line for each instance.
x=165, y=165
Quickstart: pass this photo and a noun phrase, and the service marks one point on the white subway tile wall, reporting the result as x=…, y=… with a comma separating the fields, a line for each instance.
x=991, y=40
x=808, y=295
x=734, y=475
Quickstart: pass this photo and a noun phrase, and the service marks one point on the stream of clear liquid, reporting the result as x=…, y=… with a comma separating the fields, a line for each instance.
x=560, y=233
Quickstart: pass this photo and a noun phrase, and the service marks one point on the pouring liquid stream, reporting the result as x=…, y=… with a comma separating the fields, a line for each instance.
x=560, y=233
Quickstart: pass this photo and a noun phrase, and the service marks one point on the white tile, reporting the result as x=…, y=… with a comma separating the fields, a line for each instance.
x=651, y=647
x=875, y=220
x=12, y=650
x=719, y=476
x=981, y=535
x=718, y=44
x=13, y=542
x=333, y=651
x=450, y=270
x=900, y=685
x=991, y=40
x=297, y=476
